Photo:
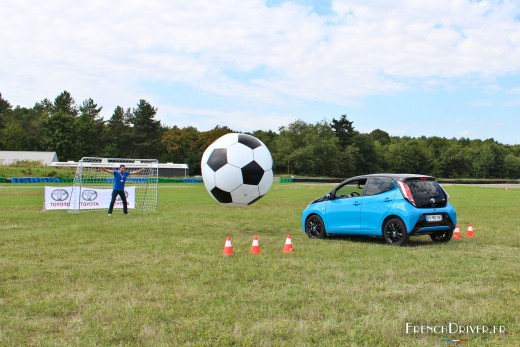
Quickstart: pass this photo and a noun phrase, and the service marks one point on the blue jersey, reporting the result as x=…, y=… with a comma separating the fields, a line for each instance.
x=120, y=179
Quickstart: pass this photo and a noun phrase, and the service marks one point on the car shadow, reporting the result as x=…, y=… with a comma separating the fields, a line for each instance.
x=414, y=241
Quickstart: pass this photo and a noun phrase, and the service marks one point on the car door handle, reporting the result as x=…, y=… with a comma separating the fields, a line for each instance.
x=356, y=203
x=387, y=200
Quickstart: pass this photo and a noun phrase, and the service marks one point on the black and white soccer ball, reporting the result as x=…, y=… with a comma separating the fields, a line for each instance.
x=237, y=169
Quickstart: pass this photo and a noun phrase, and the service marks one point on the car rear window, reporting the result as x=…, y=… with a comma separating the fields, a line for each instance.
x=423, y=191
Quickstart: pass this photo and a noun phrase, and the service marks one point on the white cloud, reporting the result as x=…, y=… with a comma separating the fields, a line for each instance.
x=118, y=51
x=210, y=118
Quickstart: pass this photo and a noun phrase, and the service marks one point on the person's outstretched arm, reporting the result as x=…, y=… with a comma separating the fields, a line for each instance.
x=137, y=171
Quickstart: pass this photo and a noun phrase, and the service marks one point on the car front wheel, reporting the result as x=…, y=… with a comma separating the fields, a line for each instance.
x=394, y=232
x=314, y=227
x=442, y=236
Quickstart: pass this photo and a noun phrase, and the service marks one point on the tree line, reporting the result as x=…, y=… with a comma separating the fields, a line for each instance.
x=330, y=149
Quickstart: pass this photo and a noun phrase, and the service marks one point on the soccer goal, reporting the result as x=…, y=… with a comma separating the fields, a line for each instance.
x=92, y=188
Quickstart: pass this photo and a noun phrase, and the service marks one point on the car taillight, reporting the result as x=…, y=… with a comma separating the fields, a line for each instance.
x=445, y=192
x=406, y=192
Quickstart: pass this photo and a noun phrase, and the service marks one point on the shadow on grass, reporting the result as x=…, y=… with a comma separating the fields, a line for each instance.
x=414, y=241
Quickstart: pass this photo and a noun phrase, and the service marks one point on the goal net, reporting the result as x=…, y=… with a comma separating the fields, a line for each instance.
x=92, y=188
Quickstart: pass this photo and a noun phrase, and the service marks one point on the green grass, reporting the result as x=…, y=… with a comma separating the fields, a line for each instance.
x=160, y=279
x=35, y=170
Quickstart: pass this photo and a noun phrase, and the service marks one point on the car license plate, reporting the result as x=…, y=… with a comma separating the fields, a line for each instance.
x=434, y=217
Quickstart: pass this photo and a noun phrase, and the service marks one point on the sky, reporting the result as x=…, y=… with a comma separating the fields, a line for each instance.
x=448, y=68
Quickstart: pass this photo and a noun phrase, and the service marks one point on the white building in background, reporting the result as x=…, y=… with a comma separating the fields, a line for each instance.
x=8, y=158
x=165, y=169
x=12, y=157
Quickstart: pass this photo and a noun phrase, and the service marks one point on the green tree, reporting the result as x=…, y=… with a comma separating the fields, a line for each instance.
x=267, y=137
x=58, y=128
x=59, y=135
x=330, y=149
x=5, y=106
x=367, y=158
x=346, y=162
x=380, y=136
x=22, y=130
x=381, y=155
x=499, y=154
x=514, y=150
x=289, y=139
x=303, y=148
x=146, y=131
x=90, y=109
x=408, y=156
x=65, y=103
x=512, y=166
x=89, y=126
x=182, y=145
x=45, y=106
x=118, y=134
x=344, y=130
x=437, y=146
x=206, y=138
x=488, y=159
x=455, y=162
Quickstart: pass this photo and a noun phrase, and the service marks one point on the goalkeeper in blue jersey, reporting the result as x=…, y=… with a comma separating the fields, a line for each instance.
x=120, y=177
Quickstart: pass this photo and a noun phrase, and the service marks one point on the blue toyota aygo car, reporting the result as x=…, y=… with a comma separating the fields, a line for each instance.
x=392, y=206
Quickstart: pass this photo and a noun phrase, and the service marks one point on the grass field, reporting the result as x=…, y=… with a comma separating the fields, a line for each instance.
x=160, y=279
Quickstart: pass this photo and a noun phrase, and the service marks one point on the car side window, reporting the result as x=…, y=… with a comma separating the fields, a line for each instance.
x=378, y=185
x=350, y=190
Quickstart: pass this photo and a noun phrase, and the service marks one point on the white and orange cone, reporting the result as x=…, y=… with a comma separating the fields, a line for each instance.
x=255, y=246
x=456, y=233
x=470, y=232
x=228, y=248
x=287, y=248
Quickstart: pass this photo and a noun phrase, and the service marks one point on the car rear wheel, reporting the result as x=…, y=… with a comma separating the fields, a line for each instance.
x=314, y=227
x=444, y=236
x=394, y=232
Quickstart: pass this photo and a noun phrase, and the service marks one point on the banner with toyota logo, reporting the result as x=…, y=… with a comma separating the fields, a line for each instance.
x=60, y=198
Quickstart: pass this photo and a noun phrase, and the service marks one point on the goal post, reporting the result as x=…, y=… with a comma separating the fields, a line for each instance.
x=93, y=186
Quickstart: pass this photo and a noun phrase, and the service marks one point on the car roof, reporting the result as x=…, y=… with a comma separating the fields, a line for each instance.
x=394, y=176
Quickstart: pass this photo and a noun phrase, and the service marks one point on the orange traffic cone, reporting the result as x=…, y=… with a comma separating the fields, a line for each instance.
x=228, y=248
x=287, y=248
x=255, y=247
x=470, y=232
x=456, y=233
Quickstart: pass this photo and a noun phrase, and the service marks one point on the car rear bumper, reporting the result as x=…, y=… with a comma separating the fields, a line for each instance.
x=424, y=227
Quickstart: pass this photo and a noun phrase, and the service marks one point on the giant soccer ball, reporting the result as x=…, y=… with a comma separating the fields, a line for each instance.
x=237, y=169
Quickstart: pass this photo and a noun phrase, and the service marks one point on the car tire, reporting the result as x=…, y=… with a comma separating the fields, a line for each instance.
x=442, y=236
x=395, y=233
x=315, y=228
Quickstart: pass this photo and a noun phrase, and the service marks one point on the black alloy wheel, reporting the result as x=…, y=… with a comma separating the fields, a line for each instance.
x=394, y=232
x=314, y=227
x=443, y=236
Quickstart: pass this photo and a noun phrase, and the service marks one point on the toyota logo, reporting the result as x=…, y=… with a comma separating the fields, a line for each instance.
x=59, y=195
x=89, y=195
x=432, y=201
